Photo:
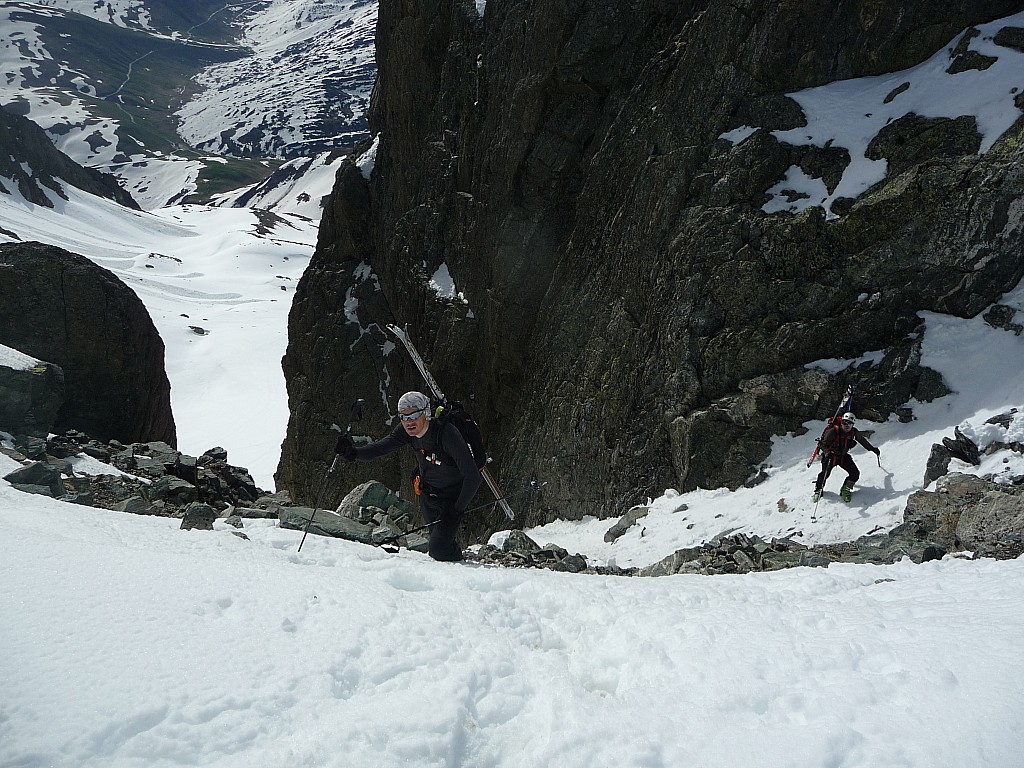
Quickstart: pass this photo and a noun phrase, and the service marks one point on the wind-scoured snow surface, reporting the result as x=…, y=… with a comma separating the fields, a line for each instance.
x=850, y=113
x=231, y=273
x=304, y=89
x=128, y=642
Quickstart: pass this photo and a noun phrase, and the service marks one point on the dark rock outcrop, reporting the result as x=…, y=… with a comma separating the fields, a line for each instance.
x=145, y=479
x=37, y=477
x=624, y=523
x=965, y=514
x=371, y=513
x=61, y=307
x=30, y=398
x=626, y=292
x=971, y=514
x=26, y=144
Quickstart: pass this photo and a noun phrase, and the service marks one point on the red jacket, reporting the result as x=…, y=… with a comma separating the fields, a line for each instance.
x=838, y=442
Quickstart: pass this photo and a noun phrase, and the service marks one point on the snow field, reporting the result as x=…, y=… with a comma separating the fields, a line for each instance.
x=204, y=267
x=133, y=643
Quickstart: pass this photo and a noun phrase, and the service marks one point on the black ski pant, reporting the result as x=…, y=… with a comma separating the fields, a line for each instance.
x=845, y=462
x=440, y=514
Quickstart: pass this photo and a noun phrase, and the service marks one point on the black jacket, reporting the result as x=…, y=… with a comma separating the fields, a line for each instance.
x=445, y=462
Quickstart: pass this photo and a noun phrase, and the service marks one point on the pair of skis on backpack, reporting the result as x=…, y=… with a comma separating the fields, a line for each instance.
x=463, y=421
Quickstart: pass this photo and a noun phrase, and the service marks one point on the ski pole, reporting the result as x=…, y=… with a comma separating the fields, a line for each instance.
x=397, y=536
x=533, y=486
x=354, y=415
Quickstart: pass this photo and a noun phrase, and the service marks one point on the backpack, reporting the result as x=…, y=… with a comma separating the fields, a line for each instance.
x=454, y=413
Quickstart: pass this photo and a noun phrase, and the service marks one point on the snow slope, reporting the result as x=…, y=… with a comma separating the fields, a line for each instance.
x=229, y=272
x=228, y=651
x=298, y=187
x=128, y=642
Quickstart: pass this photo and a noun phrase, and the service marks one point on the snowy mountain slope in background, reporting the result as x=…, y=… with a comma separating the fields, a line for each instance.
x=106, y=81
x=304, y=89
x=124, y=13
x=199, y=19
x=218, y=284
x=299, y=186
x=105, y=93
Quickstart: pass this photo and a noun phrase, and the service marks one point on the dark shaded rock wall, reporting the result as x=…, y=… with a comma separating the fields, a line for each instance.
x=60, y=307
x=627, y=293
x=30, y=398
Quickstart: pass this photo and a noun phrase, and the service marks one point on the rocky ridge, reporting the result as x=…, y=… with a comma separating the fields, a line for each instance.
x=49, y=166
x=622, y=296
x=149, y=478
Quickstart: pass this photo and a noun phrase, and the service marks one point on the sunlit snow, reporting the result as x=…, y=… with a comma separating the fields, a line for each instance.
x=211, y=268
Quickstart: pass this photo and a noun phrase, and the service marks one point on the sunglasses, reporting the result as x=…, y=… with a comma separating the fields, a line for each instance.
x=412, y=416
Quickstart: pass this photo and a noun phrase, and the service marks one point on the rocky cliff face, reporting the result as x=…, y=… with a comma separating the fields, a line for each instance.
x=62, y=308
x=627, y=316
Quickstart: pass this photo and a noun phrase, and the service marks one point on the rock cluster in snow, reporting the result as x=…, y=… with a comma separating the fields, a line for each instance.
x=143, y=478
x=965, y=514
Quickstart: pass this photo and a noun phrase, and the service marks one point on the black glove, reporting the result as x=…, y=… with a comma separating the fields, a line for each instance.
x=345, y=447
x=877, y=452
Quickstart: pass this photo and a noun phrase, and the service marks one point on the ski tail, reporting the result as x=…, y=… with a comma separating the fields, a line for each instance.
x=846, y=404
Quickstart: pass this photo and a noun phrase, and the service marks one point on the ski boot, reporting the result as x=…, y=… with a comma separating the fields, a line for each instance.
x=846, y=492
x=816, y=497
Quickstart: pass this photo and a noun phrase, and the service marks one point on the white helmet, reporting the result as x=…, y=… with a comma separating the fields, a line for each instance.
x=849, y=418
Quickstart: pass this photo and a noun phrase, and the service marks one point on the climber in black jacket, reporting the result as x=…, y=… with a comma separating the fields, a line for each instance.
x=836, y=443
x=447, y=479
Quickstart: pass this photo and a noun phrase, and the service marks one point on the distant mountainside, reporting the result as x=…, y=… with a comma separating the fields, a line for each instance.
x=40, y=166
x=247, y=85
x=304, y=88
